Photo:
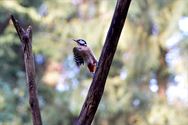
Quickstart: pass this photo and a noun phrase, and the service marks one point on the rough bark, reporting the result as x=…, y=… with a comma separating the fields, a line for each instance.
x=97, y=87
x=26, y=41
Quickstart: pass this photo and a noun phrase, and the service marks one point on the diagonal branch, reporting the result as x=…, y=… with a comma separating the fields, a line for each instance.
x=19, y=29
x=26, y=40
x=97, y=87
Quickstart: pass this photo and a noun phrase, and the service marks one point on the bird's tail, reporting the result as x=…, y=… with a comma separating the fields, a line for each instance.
x=91, y=68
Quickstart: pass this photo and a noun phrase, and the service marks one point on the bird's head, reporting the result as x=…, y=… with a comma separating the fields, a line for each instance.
x=80, y=42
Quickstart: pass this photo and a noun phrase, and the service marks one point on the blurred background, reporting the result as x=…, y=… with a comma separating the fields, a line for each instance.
x=148, y=80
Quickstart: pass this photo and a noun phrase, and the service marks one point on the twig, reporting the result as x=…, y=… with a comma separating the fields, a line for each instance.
x=97, y=87
x=26, y=40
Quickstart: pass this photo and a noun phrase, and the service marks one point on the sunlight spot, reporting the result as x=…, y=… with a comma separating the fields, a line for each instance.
x=172, y=57
x=178, y=78
x=183, y=25
x=153, y=85
x=136, y=102
x=123, y=75
x=39, y=59
x=62, y=87
x=173, y=40
x=178, y=92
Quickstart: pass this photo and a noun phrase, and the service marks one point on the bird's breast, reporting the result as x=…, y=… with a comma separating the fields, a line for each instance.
x=87, y=55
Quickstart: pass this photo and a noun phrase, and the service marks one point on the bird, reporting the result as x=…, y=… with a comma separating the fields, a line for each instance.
x=83, y=54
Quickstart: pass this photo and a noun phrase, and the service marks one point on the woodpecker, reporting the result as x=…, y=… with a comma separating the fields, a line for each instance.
x=83, y=54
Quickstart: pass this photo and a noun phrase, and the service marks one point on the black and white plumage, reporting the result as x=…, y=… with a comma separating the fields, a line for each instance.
x=77, y=57
x=83, y=54
x=81, y=42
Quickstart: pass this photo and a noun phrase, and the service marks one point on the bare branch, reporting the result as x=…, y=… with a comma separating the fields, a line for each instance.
x=97, y=87
x=19, y=29
x=26, y=40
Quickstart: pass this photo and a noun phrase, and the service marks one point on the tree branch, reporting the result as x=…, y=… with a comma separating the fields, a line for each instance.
x=26, y=40
x=97, y=87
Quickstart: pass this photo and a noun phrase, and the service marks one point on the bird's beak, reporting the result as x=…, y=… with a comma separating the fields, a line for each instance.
x=75, y=40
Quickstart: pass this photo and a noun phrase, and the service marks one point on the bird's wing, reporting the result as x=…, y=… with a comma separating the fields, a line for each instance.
x=77, y=57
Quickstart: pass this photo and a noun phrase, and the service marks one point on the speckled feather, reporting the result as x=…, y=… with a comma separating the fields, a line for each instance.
x=77, y=57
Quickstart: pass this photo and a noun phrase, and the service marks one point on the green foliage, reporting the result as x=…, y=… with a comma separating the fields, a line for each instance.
x=127, y=98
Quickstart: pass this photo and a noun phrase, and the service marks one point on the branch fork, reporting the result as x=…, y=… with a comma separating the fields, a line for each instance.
x=26, y=41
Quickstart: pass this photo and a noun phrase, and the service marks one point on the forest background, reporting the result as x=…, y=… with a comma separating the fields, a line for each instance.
x=148, y=79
